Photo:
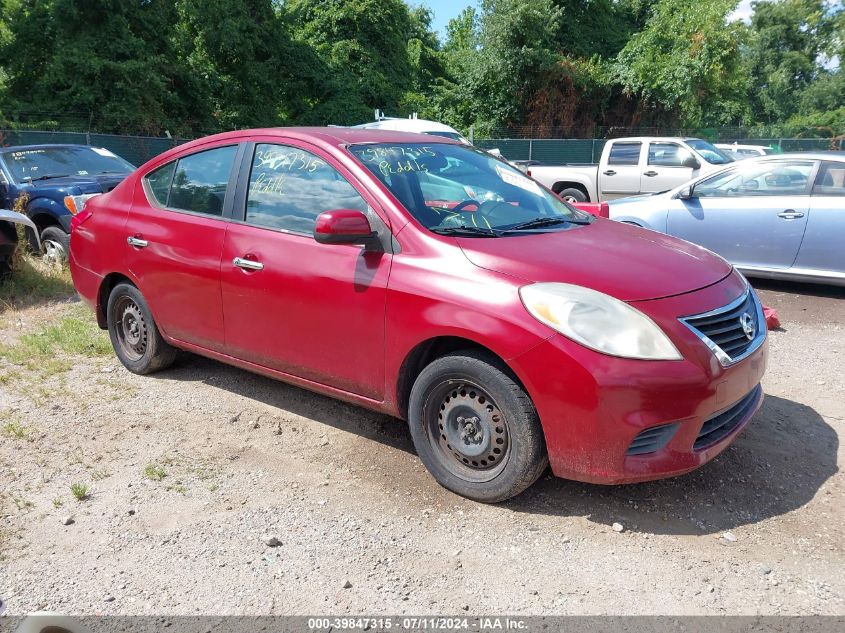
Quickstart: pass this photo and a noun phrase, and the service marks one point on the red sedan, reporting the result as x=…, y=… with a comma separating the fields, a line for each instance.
x=427, y=280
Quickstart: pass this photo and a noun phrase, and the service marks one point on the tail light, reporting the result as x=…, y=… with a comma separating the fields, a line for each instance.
x=604, y=210
x=528, y=173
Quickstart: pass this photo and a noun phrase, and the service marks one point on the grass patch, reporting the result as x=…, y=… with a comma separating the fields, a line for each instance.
x=48, y=352
x=57, y=502
x=16, y=430
x=80, y=492
x=156, y=472
x=34, y=281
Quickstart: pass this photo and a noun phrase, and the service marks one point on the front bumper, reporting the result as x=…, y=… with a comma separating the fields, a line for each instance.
x=593, y=406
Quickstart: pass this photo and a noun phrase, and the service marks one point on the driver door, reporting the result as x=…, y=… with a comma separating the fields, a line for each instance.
x=753, y=215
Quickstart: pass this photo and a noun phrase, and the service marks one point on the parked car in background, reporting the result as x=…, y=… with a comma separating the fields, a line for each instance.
x=9, y=237
x=741, y=152
x=55, y=181
x=430, y=281
x=630, y=166
x=413, y=124
x=780, y=216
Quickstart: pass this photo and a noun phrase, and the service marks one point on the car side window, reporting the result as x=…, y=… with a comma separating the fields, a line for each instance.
x=625, y=154
x=780, y=178
x=158, y=183
x=831, y=180
x=289, y=187
x=666, y=155
x=200, y=180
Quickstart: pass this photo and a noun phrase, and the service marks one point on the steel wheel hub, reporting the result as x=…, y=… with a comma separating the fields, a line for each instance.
x=471, y=432
x=131, y=328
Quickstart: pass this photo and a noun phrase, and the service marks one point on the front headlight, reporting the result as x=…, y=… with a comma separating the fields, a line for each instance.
x=598, y=321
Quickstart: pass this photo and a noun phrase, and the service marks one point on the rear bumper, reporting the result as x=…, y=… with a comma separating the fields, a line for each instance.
x=593, y=406
x=86, y=282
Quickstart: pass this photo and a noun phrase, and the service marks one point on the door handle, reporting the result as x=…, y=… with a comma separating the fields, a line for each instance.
x=247, y=264
x=137, y=242
x=790, y=214
x=609, y=172
x=649, y=173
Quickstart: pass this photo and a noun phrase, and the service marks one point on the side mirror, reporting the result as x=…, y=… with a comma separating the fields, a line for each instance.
x=343, y=226
x=692, y=162
x=685, y=193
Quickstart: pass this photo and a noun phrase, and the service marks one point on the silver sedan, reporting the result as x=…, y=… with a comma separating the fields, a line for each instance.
x=781, y=217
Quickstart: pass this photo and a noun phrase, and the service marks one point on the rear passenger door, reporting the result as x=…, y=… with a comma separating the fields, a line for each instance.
x=315, y=311
x=822, y=248
x=621, y=175
x=174, y=238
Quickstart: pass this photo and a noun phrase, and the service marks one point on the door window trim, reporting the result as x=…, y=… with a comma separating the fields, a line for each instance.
x=245, y=172
x=615, y=144
x=821, y=194
x=811, y=178
x=229, y=198
x=648, y=162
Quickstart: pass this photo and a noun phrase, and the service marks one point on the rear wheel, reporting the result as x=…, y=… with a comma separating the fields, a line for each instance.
x=134, y=334
x=55, y=244
x=571, y=195
x=475, y=428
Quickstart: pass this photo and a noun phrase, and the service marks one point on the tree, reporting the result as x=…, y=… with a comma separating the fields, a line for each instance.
x=363, y=44
x=105, y=63
x=788, y=40
x=685, y=63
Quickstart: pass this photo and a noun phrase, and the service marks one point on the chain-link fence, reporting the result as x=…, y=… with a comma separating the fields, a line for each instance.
x=136, y=149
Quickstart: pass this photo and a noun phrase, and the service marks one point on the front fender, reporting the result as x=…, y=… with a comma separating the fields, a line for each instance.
x=55, y=213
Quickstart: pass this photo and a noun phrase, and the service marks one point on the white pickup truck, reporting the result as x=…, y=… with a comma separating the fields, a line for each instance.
x=632, y=166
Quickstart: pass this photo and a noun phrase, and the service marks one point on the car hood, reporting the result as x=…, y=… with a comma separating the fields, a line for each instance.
x=626, y=262
x=76, y=185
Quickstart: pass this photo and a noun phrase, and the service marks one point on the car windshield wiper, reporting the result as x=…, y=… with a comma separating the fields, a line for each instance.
x=112, y=171
x=537, y=223
x=471, y=231
x=46, y=177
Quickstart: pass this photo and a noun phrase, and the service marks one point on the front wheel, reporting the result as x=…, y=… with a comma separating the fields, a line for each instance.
x=55, y=244
x=474, y=427
x=134, y=334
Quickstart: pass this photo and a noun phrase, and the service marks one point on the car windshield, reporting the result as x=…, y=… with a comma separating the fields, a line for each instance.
x=460, y=190
x=709, y=152
x=53, y=162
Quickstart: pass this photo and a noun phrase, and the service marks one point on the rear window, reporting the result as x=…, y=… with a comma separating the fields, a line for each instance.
x=625, y=154
x=831, y=180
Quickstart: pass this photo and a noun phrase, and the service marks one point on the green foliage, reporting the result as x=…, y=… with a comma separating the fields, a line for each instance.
x=686, y=61
x=194, y=67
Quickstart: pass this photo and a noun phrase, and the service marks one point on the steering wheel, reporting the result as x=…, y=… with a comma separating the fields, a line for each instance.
x=460, y=206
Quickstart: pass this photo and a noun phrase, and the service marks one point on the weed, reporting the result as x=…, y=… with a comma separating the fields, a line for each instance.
x=57, y=502
x=16, y=430
x=80, y=492
x=155, y=472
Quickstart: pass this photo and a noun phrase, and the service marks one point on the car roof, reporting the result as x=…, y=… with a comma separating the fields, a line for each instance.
x=26, y=148
x=324, y=137
x=825, y=155
x=408, y=125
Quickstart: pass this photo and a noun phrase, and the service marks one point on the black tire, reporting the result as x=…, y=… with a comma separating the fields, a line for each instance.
x=134, y=334
x=5, y=269
x=471, y=399
x=571, y=194
x=55, y=243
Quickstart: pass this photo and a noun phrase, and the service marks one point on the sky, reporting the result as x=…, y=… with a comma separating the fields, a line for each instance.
x=445, y=10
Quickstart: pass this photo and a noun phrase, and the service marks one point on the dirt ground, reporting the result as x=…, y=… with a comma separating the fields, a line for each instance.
x=190, y=472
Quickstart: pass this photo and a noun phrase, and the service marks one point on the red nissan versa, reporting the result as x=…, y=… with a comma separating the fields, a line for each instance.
x=428, y=280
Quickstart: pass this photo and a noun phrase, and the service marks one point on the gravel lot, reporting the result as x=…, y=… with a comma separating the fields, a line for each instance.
x=215, y=491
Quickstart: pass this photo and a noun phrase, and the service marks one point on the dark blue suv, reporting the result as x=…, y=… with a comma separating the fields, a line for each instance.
x=55, y=180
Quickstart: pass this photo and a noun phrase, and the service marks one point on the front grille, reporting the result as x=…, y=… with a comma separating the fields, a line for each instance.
x=652, y=439
x=720, y=425
x=732, y=330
